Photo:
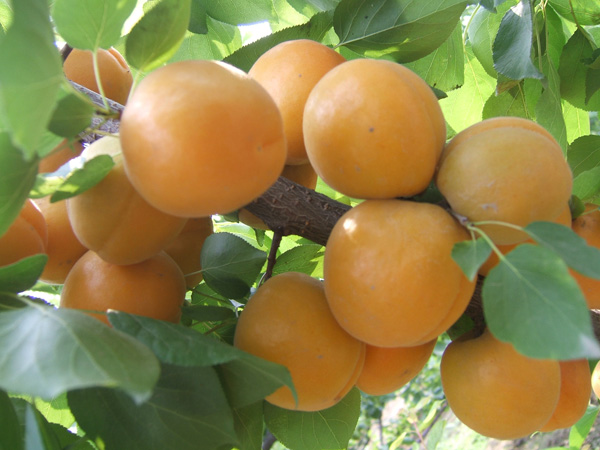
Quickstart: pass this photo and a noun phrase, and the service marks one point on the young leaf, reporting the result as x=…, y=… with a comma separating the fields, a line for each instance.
x=23, y=274
x=16, y=179
x=531, y=301
x=29, y=85
x=10, y=431
x=71, y=116
x=103, y=19
x=330, y=428
x=188, y=411
x=403, y=30
x=67, y=349
x=581, y=429
x=158, y=34
x=230, y=265
x=568, y=245
x=586, y=185
x=470, y=255
x=584, y=154
x=512, y=45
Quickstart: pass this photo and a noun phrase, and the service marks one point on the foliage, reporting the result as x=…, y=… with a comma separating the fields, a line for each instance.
x=68, y=381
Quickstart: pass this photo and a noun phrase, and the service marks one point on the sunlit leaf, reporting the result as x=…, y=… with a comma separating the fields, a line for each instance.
x=586, y=185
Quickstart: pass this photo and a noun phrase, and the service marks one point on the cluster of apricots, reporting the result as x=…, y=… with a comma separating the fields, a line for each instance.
x=199, y=138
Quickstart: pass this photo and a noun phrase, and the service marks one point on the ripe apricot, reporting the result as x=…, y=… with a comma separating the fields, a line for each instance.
x=596, y=379
x=63, y=248
x=201, y=138
x=587, y=226
x=390, y=279
x=113, y=220
x=373, y=129
x=497, y=391
x=505, y=169
x=388, y=369
x=185, y=249
x=152, y=288
x=575, y=392
x=26, y=236
x=564, y=218
x=289, y=71
x=63, y=153
x=287, y=321
x=115, y=75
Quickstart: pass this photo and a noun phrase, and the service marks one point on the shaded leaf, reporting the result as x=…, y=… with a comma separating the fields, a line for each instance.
x=470, y=255
x=10, y=432
x=71, y=116
x=249, y=426
x=23, y=274
x=584, y=154
x=531, y=301
x=37, y=431
x=548, y=110
x=208, y=313
x=586, y=185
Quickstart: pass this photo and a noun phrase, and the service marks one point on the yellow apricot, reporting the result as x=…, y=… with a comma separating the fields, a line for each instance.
x=287, y=321
x=390, y=279
x=497, y=391
x=113, y=220
x=373, y=129
x=289, y=71
x=201, y=138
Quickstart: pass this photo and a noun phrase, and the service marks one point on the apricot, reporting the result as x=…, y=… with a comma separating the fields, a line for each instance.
x=287, y=321
x=115, y=75
x=390, y=279
x=587, y=226
x=289, y=71
x=564, y=218
x=201, y=138
x=505, y=169
x=63, y=249
x=185, y=249
x=62, y=154
x=596, y=379
x=388, y=369
x=495, y=390
x=373, y=129
x=113, y=220
x=152, y=288
x=26, y=236
x=575, y=392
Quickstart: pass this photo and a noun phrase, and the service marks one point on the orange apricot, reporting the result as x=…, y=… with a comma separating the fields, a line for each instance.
x=495, y=390
x=63, y=153
x=505, y=170
x=587, y=226
x=64, y=249
x=388, y=369
x=115, y=75
x=26, y=236
x=185, y=249
x=289, y=71
x=390, y=279
x=287, y=321
x=373, y=129
x=201, y=138
x=152, y=288
x=113, y=220
x=575, y=392
x=596, y=379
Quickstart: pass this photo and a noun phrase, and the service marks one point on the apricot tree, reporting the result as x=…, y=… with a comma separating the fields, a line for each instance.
x=479, y=111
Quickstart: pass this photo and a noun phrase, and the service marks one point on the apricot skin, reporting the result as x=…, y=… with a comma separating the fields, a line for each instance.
x=26, y=236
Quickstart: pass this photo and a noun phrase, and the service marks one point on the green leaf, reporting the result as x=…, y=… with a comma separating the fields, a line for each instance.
x=586, y=185
x=573, y=72
x=230, y=265
x=330, y=428
x=68, y=440
x=220, y=41
x=548, y=109
x=581, y=429
x=174, y=344
x=555, y=35
x=37, y=432
x=572, y=248
x=249, y=426
x=10, y=431
x=584, y=154
x=23, y=274
x=436, y=432
x=187, y=410
x=158, y=34
x=56, y=411
x=402, y=30
x=585, y=12
x=91, y=24
x=307, y=259
x=71, y=116
x=470, y=255
x=577, y=122
x=29, y=85
x=513, y=43
x=315, y=29
x=235, y=12
x=68, y=349
x=531, y=301
x=208, y=313
x=6, y=15
x=511, y=102
x=16, y=179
